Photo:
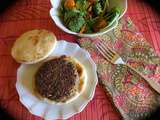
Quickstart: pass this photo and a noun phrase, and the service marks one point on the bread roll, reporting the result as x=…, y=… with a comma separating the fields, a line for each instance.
x=33, y=46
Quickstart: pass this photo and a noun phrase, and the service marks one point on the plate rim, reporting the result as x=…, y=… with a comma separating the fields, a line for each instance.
x=82, y=106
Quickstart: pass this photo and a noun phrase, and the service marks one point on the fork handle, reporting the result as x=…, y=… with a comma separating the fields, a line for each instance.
x=153, y=85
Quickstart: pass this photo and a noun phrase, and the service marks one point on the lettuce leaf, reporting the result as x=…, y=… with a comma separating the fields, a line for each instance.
x=97, y=8
x=81, y=4
x=76, y=23
x=70, y=14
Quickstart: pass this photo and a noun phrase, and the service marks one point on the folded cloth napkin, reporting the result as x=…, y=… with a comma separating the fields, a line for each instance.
x=129, y=92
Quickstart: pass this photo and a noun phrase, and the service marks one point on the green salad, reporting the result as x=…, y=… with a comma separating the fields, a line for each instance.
x=87, y=16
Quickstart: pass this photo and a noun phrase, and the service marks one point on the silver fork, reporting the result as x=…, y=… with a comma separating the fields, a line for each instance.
x=115, y=58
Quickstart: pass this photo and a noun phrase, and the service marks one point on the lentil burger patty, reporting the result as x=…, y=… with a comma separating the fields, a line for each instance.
x=57, y=79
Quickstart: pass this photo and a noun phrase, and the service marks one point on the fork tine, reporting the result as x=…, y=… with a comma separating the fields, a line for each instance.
x=110, y=51
x=103, y=53
x=106, y=49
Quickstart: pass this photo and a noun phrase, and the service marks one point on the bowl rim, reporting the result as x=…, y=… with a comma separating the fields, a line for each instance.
x=65, y=29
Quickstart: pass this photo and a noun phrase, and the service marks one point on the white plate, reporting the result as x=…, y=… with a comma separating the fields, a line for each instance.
x=47, y=110
x=121, y=4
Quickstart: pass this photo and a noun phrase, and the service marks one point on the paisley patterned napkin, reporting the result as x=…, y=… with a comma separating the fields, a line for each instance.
x=130, y=93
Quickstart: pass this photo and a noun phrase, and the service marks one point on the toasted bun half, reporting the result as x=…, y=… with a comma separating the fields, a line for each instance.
x=33, y=46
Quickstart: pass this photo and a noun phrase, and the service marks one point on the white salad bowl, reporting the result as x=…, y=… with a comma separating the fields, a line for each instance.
x=54, y=13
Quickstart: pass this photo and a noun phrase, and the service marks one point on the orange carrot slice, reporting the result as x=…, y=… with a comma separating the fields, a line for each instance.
x=70, y=4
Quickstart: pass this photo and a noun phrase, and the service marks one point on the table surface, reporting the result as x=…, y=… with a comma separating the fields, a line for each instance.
x=30, y=14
